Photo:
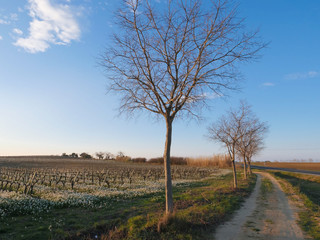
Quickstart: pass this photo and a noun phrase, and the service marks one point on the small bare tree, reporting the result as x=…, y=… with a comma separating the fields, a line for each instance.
x=108, y=156
x=255, y=146
x=241, y=132
x=100, y=155
x=228, y=130
x=252, y=135
x=170, y=60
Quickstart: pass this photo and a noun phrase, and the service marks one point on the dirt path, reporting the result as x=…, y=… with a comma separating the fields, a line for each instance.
x=268, y=216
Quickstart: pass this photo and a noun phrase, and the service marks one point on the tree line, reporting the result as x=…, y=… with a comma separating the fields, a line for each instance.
x=98, y=155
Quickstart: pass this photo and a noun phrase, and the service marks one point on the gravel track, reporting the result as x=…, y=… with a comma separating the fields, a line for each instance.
x=270, y=216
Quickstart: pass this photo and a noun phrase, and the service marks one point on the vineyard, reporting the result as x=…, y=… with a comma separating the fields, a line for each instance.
x=28, y=180
x=30, y=190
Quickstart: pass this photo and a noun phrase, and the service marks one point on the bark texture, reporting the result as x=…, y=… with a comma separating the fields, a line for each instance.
x=167, y=168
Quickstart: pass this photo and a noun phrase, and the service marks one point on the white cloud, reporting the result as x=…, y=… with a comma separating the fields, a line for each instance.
x=17, y=31
x=2, y=21
x=268, y=84
x=14, y=17
x=212, y=95
x=299, y=76
x=8, y=19
x=1, y=38
x=51, y=24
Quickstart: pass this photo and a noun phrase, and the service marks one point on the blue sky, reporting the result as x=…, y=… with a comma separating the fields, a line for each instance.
x=53, y=93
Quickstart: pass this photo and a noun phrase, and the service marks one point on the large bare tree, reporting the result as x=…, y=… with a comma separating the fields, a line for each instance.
x=170, y=59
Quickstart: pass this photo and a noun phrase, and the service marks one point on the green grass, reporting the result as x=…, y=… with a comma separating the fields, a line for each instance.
x=308, y=189
x=266, y=187
x=199, y=207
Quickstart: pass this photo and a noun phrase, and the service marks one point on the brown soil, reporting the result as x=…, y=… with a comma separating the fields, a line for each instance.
x=269, y=216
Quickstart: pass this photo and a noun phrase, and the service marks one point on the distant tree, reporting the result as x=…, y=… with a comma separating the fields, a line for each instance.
x=64, y=155
x=85, y=155
x=255, y=146
x=241, y=132
x=228, y=131
x=109, y=156
x=170, y=61
x=74, y=155
x=252, y=135
x=100, y=155
x=120, y=154
x=122, y=157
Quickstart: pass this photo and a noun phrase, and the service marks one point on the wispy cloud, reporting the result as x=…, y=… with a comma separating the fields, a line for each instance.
x=268, y=84
x=14, y=17
x=300, y=76
x=2, y=21
x=51, y=24
x=1, y=38
x=8, y=19
x=17, y=31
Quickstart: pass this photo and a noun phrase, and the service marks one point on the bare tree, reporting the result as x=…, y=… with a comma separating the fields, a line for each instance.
x=100, y=155
x=241, y=132
x=228, y=130
x=108, y=156
x=252, y=135
x=170, y=60
x=255, y=146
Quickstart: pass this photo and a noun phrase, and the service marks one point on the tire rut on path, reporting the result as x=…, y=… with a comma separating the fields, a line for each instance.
x=268, y=216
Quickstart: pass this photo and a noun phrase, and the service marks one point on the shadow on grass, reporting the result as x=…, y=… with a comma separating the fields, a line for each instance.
x=310, y=188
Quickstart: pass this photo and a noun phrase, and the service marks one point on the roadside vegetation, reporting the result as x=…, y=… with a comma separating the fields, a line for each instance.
x=307, y=188
x=266, y=187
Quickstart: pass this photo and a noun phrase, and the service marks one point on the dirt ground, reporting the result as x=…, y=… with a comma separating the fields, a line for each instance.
x=270, y=216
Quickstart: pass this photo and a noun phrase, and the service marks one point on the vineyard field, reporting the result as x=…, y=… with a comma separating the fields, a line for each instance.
x=57, y=183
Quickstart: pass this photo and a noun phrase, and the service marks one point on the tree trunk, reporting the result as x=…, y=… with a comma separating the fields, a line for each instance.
x=249, y=166
x=167, y=167
x=235, y=184
x=244, y=167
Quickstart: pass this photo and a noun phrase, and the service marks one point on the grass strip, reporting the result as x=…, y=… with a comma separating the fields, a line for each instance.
x=307, y=187
x=266, y=187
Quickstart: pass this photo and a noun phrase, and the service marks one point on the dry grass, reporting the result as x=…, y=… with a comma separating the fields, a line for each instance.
x=165, y=220
x=218, y=160
x=221, y=161
x=311, y=166
x=139, y=160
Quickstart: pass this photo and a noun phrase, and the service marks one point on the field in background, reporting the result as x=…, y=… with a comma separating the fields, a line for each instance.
x=311, y=166
x=217, y=161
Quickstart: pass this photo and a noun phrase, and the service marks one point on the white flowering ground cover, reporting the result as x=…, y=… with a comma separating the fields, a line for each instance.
x=46, y=198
